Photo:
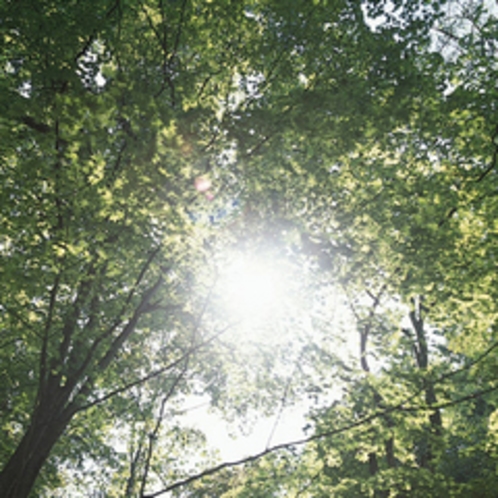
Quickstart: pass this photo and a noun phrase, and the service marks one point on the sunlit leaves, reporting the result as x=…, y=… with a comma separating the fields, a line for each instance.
x=330, y=133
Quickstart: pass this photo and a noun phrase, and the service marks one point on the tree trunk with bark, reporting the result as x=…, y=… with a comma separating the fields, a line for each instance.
x=48, y=422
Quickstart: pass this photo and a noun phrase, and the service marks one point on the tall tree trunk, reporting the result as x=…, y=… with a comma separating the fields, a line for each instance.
x=48, y=422
x=373, y=462
x=422, y=357
x=54, y=409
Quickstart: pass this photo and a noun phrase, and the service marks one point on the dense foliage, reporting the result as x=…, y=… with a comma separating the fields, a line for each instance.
x=144, y=144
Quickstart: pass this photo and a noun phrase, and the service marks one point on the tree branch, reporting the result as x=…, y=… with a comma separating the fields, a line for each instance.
x=493, y=160
x=78, y=374
x=315, y=437
x=48, y=325
x=153, y=435
x=130, y=326
x=152, y=375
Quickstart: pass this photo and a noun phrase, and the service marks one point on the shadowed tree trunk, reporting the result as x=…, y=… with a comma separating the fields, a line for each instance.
x=373, y=462
x=57, y=402
x=48, y=422
x=422, y=357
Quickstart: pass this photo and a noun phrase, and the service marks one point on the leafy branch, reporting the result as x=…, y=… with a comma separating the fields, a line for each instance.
x=400, y=407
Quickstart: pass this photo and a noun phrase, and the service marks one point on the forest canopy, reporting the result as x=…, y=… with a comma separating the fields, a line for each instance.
x=265, y=205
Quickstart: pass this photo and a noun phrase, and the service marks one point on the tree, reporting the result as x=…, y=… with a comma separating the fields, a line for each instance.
x=110, y=112
x=411, y=222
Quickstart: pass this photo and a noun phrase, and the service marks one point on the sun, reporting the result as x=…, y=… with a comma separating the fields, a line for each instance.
x=252, y=289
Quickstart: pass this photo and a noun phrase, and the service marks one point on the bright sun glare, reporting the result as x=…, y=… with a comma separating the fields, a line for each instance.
x=252, y=288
